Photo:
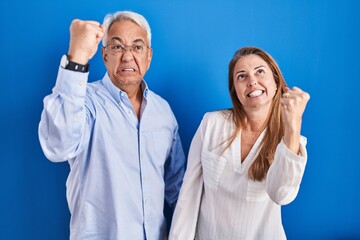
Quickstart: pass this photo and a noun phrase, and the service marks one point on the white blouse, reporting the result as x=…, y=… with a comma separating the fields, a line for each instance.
x=218, y=200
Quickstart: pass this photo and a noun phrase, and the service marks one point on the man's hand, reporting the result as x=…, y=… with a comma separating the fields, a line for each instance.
x=85, y=37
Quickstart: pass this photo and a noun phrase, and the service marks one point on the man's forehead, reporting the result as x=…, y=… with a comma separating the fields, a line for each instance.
x=120, y=24
x=127, y=30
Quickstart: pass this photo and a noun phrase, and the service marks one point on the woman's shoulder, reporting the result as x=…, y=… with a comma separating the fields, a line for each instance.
x=219, y=115
x=217, y=125
x=218, y=119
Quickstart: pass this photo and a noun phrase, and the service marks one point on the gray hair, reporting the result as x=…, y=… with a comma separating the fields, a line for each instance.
x=126, y=15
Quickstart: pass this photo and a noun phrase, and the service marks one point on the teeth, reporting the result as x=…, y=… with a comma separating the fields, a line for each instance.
x=255, y=93
x=129, y=69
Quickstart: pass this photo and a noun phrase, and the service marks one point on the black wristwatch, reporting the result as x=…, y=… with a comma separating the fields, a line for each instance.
x=73, y=66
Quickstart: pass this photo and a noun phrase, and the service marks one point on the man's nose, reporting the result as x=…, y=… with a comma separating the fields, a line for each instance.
x=127, y=55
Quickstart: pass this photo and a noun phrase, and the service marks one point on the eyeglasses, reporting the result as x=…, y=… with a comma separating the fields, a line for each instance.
x=118, y=48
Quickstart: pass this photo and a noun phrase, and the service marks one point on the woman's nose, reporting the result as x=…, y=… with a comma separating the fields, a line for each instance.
x=252, y=81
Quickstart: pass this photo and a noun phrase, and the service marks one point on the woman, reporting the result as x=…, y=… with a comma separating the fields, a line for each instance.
x=244, y=163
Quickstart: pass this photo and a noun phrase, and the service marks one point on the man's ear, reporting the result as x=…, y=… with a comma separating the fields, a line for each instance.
x=149, y=58
x=104, y=54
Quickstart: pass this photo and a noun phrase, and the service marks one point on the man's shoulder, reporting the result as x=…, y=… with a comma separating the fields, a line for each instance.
x=157, y=99
x=96, y=95
x=96, y=89
x=95, y=85
x=155, y=95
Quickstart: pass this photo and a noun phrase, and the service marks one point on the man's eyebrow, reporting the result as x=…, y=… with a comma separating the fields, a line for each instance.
x=118, y=39
x=139, y=40
x=122, y=41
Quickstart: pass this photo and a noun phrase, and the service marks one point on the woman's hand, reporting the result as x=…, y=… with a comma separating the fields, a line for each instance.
x=293, y=103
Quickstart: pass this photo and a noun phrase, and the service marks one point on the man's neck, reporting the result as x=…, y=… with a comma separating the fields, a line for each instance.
x=135, y=95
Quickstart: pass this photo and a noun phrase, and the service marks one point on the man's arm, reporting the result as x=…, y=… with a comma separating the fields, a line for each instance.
x=174, y=171
x=64, y=117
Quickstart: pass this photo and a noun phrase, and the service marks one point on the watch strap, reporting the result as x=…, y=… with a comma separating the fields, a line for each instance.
x=77, y=67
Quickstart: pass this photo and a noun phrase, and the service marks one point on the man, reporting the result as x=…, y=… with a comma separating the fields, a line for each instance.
x=120, y=139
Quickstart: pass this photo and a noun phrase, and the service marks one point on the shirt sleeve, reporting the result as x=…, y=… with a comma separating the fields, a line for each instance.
x=187, y=208
x=286, y=172
x=174, y=171
x=63, y=118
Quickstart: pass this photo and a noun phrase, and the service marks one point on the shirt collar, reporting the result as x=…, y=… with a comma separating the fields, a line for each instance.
x=116, y=93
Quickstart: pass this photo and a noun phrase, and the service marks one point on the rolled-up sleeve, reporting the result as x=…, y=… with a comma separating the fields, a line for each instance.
x=286, y=172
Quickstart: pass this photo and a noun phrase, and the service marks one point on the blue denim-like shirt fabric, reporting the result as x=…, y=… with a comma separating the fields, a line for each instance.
x=121, y=168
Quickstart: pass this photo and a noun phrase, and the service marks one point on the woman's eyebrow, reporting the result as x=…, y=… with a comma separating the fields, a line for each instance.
x=259, y=67
x=240, y=71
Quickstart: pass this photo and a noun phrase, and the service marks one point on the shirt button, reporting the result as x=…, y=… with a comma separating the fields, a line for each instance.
x=122, y=94
x=82, y=83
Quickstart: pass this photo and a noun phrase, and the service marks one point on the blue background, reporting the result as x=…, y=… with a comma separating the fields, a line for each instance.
x=316, y=43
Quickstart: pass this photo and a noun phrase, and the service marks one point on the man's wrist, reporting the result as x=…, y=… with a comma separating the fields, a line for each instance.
x=66, y=63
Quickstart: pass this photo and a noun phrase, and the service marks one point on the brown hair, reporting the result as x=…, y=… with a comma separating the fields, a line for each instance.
x=274, y=131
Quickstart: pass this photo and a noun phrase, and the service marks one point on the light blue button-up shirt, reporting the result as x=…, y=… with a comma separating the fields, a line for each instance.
x=121, y=169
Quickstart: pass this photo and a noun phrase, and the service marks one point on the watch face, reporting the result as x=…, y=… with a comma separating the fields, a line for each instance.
x=64, y=61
